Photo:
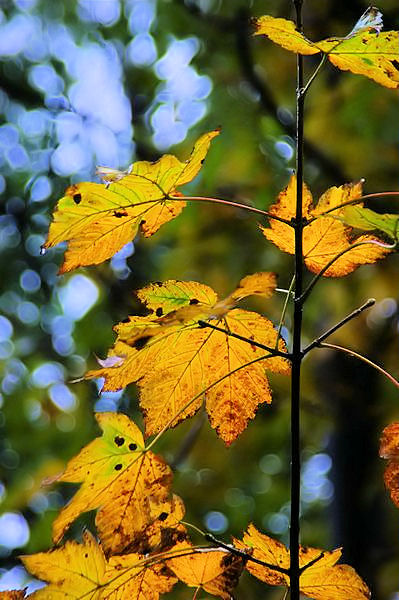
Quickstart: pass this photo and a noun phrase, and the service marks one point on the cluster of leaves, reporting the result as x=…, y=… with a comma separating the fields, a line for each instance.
x=192, y=348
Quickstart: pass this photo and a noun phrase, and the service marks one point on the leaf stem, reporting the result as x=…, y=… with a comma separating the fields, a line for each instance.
x=230, y=203
x=336, y=257
x=355, y=313
x=315, y=73
x=361, y=357
x=273, y=351
x=350, y=202
x=283, y=312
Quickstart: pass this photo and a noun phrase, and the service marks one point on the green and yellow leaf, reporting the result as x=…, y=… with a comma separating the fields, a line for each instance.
x=368, y=220
x=322, y=580
x=128, y=485
x=326, y=235
x=365, y=51
x=178, y=365
x=97, y=220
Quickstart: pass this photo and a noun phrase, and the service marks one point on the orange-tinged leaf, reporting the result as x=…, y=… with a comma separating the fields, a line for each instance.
x=182, y=364
x=12, y=595
x=324, y=237
x=322, y=580
x=257, y=284
x=81, y=571
x=215, y=571
x=389, y=449
x=97, y=220
x=365, y=51
x=121, y=479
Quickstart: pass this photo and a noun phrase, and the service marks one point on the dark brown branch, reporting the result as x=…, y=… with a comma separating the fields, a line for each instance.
x=370, y=302
x=273, y=351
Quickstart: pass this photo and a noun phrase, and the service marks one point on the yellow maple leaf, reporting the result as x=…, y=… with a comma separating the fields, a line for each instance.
x=325, y=236
x=97, y=220
x=128, y=485
x=389, y=449
x=82, y=571
x=322, y=580
x=216, y=571
x=373, y=54
x=177, y=364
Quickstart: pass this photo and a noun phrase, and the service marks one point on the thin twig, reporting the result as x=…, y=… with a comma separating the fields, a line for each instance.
x=370, y=302
x=311, y=563
x=230, y=203
x=363, y=358
x=273, y=351
x=245, y=555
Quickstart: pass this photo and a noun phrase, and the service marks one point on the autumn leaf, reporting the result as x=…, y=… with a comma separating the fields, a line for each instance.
x=365, y=51
x=177, y=364
x=82, y=571
x=389, y=449
x=12, y=595
x=215, y=571
x=97, y=220
x=129, y=485
x=325, y=236
x=322, y=580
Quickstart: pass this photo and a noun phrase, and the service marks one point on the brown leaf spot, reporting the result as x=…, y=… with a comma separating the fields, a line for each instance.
x=119, y=441
x=159, y=312
x=194, y=301
x=120, y=213
x=77, y=198
x=163, y=516
x=132, y=447
x=118, y=467
x=140, y=343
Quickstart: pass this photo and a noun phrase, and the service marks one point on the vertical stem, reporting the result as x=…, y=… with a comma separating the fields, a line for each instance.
x=297, y=328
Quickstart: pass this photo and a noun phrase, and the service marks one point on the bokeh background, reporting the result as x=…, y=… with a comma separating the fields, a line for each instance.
x=107, y=82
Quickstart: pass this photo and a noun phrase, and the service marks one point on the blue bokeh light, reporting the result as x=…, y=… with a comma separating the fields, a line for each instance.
x=78, y=296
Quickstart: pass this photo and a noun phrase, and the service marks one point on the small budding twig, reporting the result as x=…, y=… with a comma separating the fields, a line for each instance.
x=273, y=351
x=317, y=342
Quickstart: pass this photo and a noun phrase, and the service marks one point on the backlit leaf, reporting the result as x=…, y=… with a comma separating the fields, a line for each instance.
x=128, y=485
x=325, y=236
x=12, y=595
x=365, y=51
x=97, y=220
x=215, y=571
x=323, y=580
x=389, y=449
x=81, y=571
x=177, y=364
